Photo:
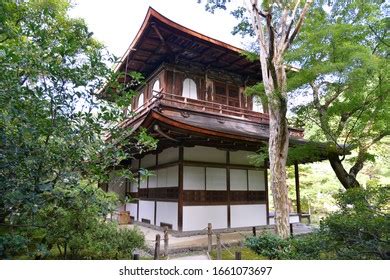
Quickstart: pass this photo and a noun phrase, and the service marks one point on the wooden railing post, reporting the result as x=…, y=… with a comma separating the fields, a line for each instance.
x=209, y=237
x=136, y=257
x=291, y=230
x=157, y=247
x=238, y=255
x=254, y=231
x=165, y=241
x=219, y=253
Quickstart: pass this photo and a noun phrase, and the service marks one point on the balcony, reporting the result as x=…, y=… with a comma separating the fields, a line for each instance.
x=177, y=101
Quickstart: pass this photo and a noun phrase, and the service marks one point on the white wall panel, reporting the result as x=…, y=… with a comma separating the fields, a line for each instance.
x=143, y=183
x=238, y=180
x=161, y=178
x=146, y=210
x=173, y=176
x=148, y=161
x=241, y=157
x=134, y=186
x=193, y=178
x=168, y=177
x=166, y=213
x=132, y=208
x=168, y=155
x=215, y=178
x=248, y=215
x=197, y=217
x=153, y=180
x=293, y=219
x=256, y=180
x=205, y=154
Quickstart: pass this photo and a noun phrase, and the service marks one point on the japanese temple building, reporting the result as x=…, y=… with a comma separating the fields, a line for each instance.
x=193, y=102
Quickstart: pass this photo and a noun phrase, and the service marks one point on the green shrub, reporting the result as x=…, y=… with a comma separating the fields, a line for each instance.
x=109, y=242
x=77, y=229
x=268, y=245
x=11, y=245
x=360, y=229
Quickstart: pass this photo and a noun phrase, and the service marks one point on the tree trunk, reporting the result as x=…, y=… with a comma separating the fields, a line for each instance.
x=278, y=149
x=346, y=179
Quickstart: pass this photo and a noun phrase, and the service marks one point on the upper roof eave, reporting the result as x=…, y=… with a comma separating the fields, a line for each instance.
x=152, y=13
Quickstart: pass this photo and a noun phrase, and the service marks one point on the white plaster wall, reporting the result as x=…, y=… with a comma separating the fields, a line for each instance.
x=256, y=180
x=143, y=183
x=238, y=180
x=132, y=208
x=117, y=184
x=172, y=176
x=161, y=178
x=241, y=157
x=168, y=177
x=193, y=178
x=248, y=215
x=134, y=186
x=167, y=213
x=153, y=180
x=168, y=155
x=215, y=178
x=293, y=219
x=148, y=161
x=205, y=154
x=197, y=217
x=146, y=210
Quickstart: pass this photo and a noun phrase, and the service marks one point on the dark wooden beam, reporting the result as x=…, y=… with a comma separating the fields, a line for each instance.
x=297, y=191
x=180, y=191
x=228, y=189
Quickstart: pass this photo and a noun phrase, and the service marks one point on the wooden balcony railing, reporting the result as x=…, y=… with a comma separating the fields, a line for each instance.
x=214, y=108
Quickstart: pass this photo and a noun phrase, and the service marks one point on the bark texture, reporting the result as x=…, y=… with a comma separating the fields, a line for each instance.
x=274, y=38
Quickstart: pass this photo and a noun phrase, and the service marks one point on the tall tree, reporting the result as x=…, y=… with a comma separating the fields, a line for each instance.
x=343, y=52
x=51, y=123
x=276, y=25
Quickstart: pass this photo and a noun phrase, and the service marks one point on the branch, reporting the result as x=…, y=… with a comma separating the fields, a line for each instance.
x=378, y=37
x=299, y=24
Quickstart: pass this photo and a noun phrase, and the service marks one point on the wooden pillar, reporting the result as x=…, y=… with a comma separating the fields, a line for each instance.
x=297, y=193
x=228, y=189
x=138, y=187
x=180, y=190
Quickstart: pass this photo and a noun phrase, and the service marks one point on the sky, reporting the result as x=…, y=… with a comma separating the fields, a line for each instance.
x=116, y=22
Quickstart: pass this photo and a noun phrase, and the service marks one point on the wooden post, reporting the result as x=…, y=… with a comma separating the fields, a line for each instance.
x=219, y=253
x=136, y=257
x=297, y=190
x=165, y=241
x=291, y=230
x=209, y=237
x=254, y=231
x=238, y=255
x=157, y=247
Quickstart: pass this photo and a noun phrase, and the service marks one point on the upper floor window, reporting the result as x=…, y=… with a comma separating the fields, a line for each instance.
x=140, y=100
x=256, y=104
x=189, y=89
x=156, y=88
